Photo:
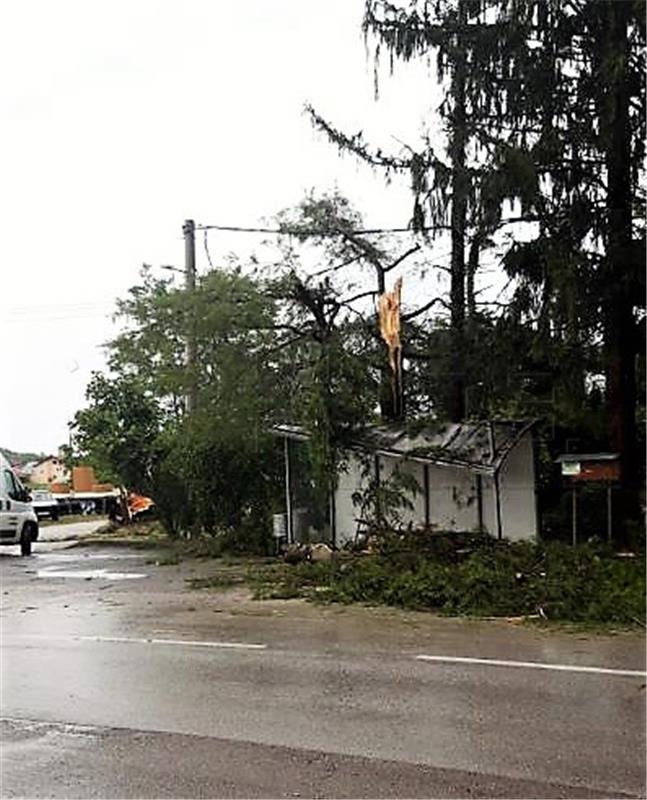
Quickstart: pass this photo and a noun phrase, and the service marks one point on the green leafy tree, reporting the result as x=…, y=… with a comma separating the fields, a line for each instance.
x=117, y=433
x=211, y=469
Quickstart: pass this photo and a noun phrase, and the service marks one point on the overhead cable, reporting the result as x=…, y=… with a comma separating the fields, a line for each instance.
x=287, y=231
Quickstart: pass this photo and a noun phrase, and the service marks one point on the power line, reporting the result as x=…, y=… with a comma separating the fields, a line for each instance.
x=298, y=231
x=315, y=231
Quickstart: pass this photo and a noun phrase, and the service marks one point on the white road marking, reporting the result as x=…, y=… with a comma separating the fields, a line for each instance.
x=185, y=642
x=142, y=640
x=67, y=728
x=493, y=662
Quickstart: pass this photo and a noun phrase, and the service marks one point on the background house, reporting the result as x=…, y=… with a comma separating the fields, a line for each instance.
x=50, y=469
x=470, y=476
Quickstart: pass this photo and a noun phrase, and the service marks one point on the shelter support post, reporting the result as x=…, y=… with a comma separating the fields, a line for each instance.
x=574, y=513
x=333, y=515
x=479, y=502
x=497, y=504
x=609, y=514
x=378, y=505
x=425, y=477
x=495, y=482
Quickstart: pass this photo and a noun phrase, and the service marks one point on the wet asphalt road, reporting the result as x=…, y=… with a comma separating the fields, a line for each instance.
x=69, y=530
x=119, y=681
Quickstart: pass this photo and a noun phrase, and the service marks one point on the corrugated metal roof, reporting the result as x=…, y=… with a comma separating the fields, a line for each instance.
x=480, y=446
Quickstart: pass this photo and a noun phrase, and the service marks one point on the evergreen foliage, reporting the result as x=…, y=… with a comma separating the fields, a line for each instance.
x=544, y=113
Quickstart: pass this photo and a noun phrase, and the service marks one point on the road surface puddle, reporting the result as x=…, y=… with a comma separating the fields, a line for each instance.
x=88, y=574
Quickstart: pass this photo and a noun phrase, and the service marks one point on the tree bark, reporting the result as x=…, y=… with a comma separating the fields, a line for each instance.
x=619, y=325
x=472, y=269
x=460, y=188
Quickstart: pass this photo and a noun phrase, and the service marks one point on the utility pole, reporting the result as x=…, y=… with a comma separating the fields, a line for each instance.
x=188, y=229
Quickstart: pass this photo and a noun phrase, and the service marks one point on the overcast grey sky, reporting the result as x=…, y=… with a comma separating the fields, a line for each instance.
x=121, y=119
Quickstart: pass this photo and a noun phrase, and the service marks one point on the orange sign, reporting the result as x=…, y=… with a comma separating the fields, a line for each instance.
x=598, y=471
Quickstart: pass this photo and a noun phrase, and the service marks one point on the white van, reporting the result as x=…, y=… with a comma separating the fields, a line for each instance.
x=18, y=521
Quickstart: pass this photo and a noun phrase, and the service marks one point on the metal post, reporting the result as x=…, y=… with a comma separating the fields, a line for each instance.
x=425, y=475
x=333, y=515
x=288, y=488
x=479, y=502
x=609, y=514
x=497, y=504
x=188, y=230
x=495, y=482
x=378, y=504
x=574, y=512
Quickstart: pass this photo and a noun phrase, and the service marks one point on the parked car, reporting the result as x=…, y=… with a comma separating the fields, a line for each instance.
x=18, y=520
x=45, y=504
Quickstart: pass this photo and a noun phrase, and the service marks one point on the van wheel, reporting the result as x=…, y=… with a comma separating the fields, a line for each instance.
x=25, y=540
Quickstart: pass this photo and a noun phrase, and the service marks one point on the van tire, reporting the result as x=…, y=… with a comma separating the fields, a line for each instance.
x=26, y=538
